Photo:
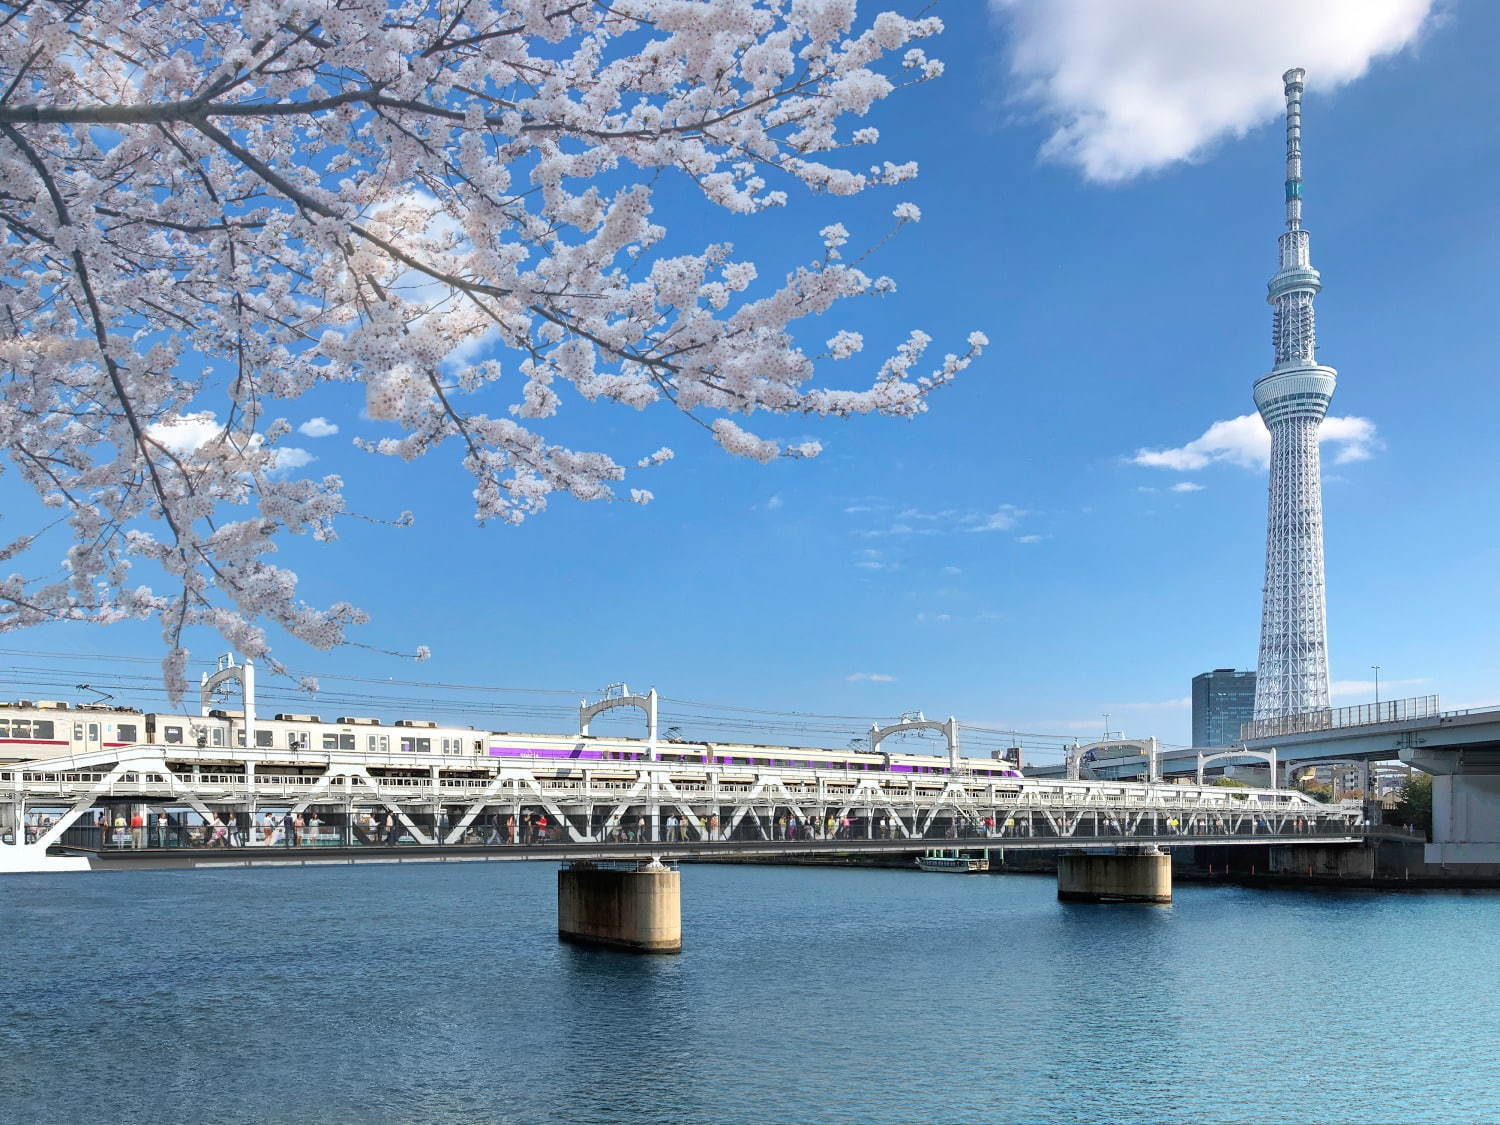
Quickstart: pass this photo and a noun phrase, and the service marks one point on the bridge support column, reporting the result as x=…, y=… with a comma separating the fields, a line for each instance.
x=639, y=911
x=1139, y=877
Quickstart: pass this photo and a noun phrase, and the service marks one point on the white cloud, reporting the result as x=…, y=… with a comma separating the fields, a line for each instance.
x=926, y=618
x=290, y=457
x=1130, y=86
x=318, y=427
x=187, y=433
x=1246, y=442
x=1030, y=538
x=952, y=570
x=773, y=503
x=870, y=678
x=1002, y=518
x=1187, y=486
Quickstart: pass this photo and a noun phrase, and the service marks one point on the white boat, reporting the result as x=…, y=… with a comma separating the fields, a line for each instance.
x=951, y=861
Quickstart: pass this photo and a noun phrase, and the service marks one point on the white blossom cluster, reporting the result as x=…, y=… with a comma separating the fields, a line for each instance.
x=212, y=205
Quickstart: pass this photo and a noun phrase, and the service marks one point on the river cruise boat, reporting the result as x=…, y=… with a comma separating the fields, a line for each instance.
x=951, y=861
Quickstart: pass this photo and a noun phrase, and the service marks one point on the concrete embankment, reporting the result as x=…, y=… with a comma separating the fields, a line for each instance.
x=1390, y=860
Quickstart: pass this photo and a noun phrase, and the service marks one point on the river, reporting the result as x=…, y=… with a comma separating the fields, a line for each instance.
x=439, y=993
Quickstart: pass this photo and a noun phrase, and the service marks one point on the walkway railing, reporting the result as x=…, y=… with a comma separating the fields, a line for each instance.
x=235, y=833
x=1363, y=714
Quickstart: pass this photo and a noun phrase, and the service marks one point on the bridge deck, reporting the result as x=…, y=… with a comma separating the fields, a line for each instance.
x=122, y=858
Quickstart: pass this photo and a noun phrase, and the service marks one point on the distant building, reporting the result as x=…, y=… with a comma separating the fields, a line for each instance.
x=1222, y=700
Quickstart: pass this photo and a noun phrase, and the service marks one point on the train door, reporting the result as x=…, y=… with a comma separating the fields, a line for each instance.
x=85, y=735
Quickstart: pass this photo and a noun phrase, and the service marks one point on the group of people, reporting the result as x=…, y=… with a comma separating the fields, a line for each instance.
x=830, y=827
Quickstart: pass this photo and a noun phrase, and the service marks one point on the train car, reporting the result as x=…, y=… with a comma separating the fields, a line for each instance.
x=48, y=728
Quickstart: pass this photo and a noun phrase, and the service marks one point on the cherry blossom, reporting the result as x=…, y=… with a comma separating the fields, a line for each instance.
x=211, y=207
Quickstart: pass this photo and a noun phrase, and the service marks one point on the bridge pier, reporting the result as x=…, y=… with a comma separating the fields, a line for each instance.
x=639, y=911
x=1144, y=876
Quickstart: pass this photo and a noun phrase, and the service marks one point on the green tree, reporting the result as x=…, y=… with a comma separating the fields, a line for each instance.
x=1231, y=783
x=1414, y=806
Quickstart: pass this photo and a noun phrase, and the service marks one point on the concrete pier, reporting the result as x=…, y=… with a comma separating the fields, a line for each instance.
x=639, y=910
x=1142, y=877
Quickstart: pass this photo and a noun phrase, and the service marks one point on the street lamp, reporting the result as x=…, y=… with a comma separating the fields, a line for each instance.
x=1377, y=683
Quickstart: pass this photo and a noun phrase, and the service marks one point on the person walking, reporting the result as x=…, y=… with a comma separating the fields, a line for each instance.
x=510, y=828
x=289, y=829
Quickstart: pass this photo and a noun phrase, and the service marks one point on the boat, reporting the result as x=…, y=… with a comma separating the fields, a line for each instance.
x=951, y=861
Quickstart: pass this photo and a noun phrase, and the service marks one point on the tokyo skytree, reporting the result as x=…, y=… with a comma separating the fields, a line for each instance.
x=1293, y=674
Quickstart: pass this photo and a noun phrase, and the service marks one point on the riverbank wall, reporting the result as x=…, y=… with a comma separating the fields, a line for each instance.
x=1390, y=860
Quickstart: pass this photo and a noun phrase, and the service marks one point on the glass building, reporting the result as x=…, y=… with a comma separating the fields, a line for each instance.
x=1222, y=700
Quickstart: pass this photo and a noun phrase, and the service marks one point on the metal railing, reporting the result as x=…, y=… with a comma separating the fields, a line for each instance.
x=1337, y=718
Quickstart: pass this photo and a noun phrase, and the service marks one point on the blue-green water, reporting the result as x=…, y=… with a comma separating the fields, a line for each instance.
x=440, y=993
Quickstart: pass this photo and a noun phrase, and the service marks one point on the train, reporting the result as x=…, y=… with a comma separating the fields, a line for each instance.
x=35, y=729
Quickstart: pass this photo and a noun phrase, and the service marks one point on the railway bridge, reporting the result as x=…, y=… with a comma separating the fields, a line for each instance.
x=618, y=826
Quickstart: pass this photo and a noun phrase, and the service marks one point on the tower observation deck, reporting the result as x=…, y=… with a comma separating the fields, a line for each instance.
x=1292, y=677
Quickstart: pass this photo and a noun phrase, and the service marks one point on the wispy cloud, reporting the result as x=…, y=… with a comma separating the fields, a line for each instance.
x=869, y=678
x=1130, y=86
x=1245, y=441
x=871, y=559
x=1187, y=486
x=774, y=502
x=1029, y=539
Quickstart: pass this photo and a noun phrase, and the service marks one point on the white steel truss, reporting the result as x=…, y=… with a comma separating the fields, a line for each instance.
x=443, y=809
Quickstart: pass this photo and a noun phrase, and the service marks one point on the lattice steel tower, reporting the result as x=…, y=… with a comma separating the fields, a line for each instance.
x=1293, y=673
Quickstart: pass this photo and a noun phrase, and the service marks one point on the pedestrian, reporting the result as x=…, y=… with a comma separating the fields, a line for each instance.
x=542, y=824
x=510, y=828
x=394, y=829
x=137, y=829
x=641, y=832
x=713, y=826
x=672, y=828
x=299, y=825
x=289, y=829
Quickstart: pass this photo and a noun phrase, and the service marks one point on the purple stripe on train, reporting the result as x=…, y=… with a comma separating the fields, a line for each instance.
x=579, y=754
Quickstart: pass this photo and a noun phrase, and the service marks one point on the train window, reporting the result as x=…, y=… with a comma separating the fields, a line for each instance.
x=296, y=740
x=330, y=742
x=42, y=728
x=346, y=742
x=369, y=744
x=4, y=728
x=93, y=732
x=479, y=746
x=126, y=732
x=218, y=736
x=406, y=746
x=239, y=737
x=385, y=744
x=171, y=735
x=424, y=746
x=20, y=728
x=265, y=738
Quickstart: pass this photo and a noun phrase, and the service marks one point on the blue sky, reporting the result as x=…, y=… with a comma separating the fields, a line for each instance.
x=1003, y=558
